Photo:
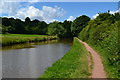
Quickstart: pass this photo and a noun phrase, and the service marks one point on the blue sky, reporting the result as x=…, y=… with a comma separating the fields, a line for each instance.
x=79, y=8
x=50, y=11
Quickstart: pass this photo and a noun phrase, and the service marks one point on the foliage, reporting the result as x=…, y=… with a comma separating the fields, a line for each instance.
x=102, y=33
x=67, y=27
x=56, y=28
x=73, y=64
x=7, y=29
x=78, y=24
x=24, y=27
x=61, y=29
x=27, y=20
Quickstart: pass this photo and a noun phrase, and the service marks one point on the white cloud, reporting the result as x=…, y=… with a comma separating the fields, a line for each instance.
x=71, y=18
x=9, y=8
x=111, y=12
x=13, y=8
x=47, y=13
x=53, y=12
x=95, y=16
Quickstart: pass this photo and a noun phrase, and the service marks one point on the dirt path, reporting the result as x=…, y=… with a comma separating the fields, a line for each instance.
x=98, y=69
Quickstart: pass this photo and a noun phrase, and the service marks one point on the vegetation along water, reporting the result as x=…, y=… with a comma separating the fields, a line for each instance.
x=74, y=64
x=9, y=39
x=101, y=33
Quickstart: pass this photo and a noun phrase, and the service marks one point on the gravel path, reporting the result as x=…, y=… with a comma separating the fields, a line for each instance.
x=98, y=69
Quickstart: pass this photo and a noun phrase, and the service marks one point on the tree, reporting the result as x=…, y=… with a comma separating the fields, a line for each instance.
x=18, y=25
x=6, y=29
x=42, y=25
x=56, y=29
x=78, y=24
x=27, y=20
x=67, y=27
x=6, y=21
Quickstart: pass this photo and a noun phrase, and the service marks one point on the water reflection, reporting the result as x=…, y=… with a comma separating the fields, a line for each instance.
x=28, y=45
x=31, y=62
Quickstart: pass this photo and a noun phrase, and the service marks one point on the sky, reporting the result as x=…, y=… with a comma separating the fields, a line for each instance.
x=55, y=11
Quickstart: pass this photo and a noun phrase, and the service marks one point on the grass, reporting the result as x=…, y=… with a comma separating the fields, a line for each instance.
x=90, y=60
x=9, y=39
x=110, y=69
x=74, y=64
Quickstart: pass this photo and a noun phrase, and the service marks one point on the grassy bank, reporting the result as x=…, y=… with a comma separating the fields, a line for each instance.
x=9, y=39
x=107, y=47
x=102, y=34
x=74, y=64
x=112, y=71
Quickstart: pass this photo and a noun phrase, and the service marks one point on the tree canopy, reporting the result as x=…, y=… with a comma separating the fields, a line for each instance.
x=78, y=24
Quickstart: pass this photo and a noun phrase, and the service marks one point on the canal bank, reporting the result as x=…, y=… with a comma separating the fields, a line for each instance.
x=10, y=39
x=74, y=64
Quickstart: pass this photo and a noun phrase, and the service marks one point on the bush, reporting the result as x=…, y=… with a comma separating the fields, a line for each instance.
x=102, y=33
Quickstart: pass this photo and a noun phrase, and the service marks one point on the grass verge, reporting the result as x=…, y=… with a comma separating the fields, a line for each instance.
x=9, y=39
x=74, y=64
x=90, y=64
x=111, y=70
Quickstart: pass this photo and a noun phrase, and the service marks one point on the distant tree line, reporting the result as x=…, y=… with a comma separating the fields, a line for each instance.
x=61, y=29
x=16, y=26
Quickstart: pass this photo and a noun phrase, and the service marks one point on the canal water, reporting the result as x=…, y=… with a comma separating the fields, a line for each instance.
x=30, y=60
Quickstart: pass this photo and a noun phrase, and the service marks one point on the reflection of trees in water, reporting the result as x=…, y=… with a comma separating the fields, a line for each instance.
x=32, y=45
x=66, y=40
x=28, y=45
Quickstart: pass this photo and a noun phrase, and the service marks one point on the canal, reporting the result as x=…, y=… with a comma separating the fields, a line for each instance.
x=30, y=60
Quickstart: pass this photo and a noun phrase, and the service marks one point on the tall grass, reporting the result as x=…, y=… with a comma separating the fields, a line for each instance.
x=73, y=64
x=9, y=39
